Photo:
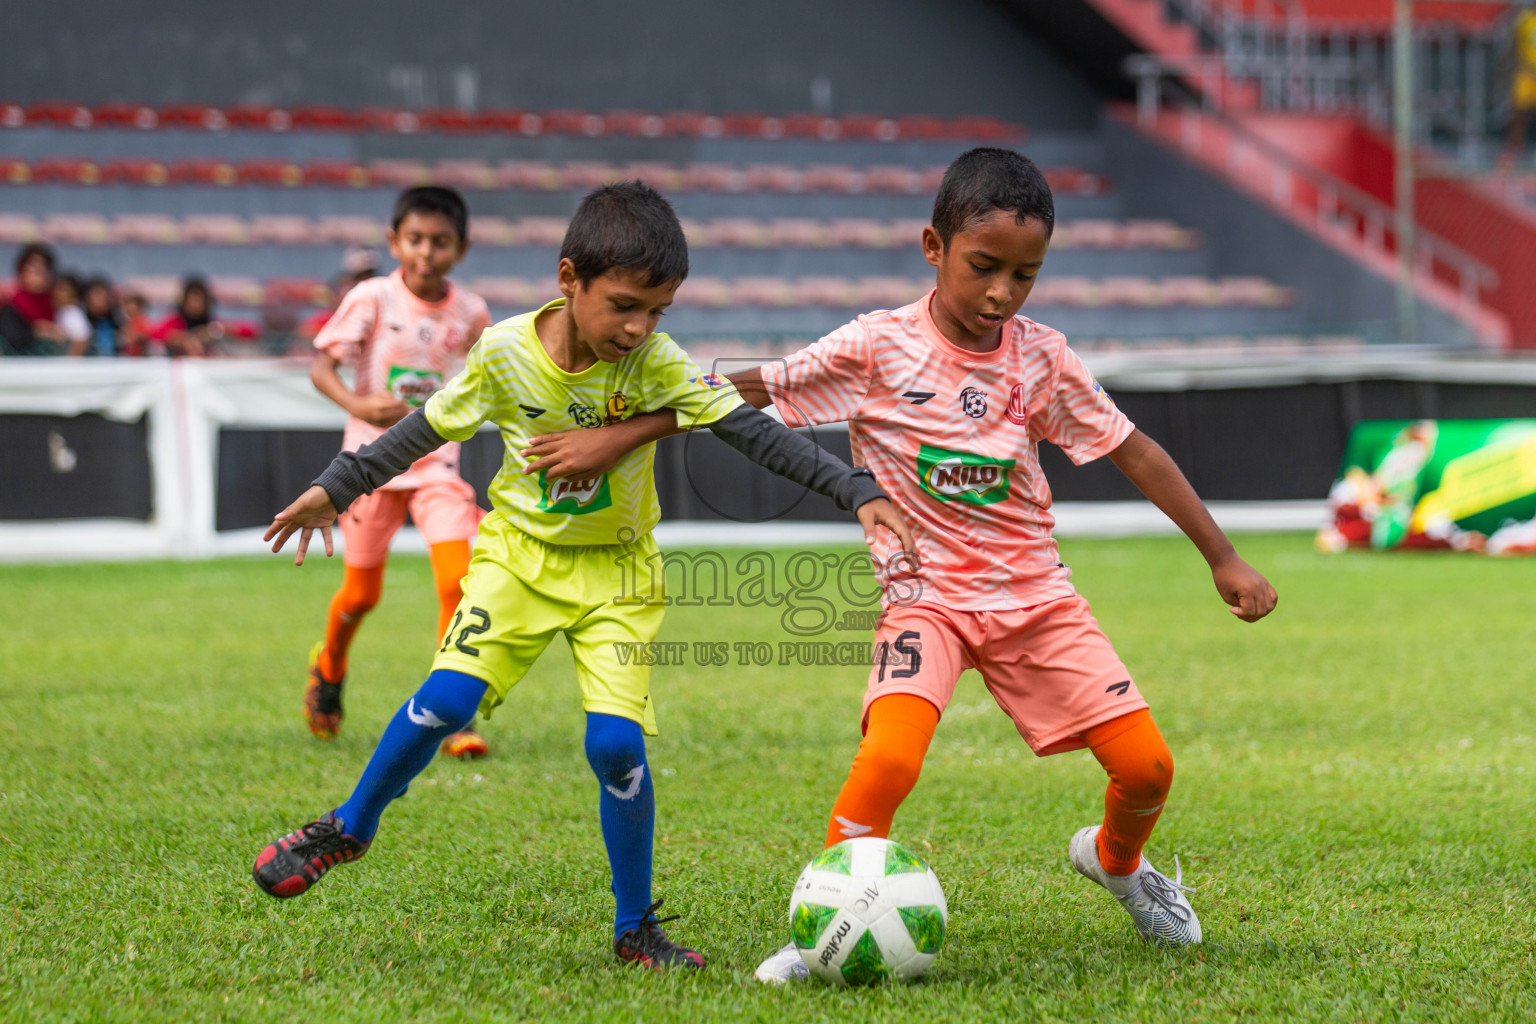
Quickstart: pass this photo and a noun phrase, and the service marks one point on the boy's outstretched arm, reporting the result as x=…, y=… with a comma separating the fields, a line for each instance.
x=1147, y=466
x=349, y=475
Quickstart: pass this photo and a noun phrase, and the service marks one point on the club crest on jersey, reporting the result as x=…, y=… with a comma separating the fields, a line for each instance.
x=709, y=380
x=584, y=415
x=617, y=406
x=962, y=476
x=413, y=387
x=1018, y=405
x=973, y=401
x=574, y=497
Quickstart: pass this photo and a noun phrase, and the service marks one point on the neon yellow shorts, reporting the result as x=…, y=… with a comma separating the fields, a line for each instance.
x=520, y=592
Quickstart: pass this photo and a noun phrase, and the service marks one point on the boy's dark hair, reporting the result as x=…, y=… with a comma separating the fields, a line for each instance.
x=626, y=226
x=36, y=249
x=433, y=199
x=985, y=179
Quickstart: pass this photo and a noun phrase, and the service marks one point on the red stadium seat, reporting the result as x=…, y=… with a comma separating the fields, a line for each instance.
x=18, y=228
x=713, y=178
x=135, y=172
x=528, y=174
x=1065, y=291
x=78, y=228
x=762, y=291
x=737, y=233
x=922, y=128
x=692, y=124
x=324, y=118
x=634, y=123
x=709, y=292
x=889, y=292
x=60, y=115
x=933, y=177
x=1130, y=291
x=895, y=179
x=541, y=231
x=203, y=172
x=259, y=117
x=14, y=171
x=907, y=232
x=870, y=126
x=985, y=129
x=466, y=174
x=12, y=115
x=798, y=233
x=835, y=292
x=337, y=174
x=280, y=173
x=283, y=229
x=391, y=120
x=215, y=229
x=752, y=126
x=487, y=230
x=67, y=171
x=157, y=289
x=449, y=120
x=195, y=116
x=296, y=291
x=573, y=122
x=502, y=291
x=1253, y=292
x=1158, y=234
x=696, y=231
x=773, y=178
x=511, y=122
x=350, y=229
x=1094, y=234
x=861, y=233
x=812, y=126
x=126, y=115
x=146, y=229
x=1190, y=291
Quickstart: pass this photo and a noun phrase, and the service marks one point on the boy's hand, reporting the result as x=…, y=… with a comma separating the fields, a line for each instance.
x=1244, y=588
x=382, y=409
x=881, y=512
x=312, y=510
x=575, y=454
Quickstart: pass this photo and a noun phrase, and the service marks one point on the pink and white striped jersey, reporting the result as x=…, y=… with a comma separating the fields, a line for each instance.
x=409, y=347
x=951, y=435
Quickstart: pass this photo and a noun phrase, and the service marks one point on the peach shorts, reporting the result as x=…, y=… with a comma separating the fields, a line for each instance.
x=442, y=510
x=1049, y=666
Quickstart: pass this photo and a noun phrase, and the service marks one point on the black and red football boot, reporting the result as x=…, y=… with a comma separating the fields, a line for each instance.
x=290, y=865
x=649, y=946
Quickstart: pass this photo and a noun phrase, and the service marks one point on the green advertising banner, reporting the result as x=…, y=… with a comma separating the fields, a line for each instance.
x=1463, y=484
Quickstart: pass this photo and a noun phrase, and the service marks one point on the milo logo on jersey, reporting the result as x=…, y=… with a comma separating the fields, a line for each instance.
x=573, y=497
x=413, y=387
x=961, y=476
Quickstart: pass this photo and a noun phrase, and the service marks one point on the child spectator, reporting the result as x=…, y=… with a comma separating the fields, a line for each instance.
x=358, y=264
x=137, y=335
x=68, y=317
x=105, y=319
x=191, y=330
x=26, y=322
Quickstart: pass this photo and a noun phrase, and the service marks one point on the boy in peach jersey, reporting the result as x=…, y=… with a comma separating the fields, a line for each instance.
x=946, y=400
x=406, y=334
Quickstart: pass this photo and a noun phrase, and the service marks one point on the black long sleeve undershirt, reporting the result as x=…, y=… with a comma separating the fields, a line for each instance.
x=750, y=431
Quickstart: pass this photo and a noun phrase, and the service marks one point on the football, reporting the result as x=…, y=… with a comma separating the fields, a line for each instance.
x=866, y=911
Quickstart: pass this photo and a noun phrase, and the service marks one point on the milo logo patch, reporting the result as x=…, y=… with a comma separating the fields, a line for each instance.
x=573, y=497
x=962, y=476
x=413, y=387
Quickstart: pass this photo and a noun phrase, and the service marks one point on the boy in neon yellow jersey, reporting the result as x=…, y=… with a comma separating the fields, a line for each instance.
x=548, y=558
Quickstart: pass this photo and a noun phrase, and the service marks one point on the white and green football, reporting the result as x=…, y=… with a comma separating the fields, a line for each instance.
x=865, y=911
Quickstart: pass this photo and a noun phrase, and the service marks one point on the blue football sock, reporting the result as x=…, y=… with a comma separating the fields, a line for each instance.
x=446, y=703
x=627, y=806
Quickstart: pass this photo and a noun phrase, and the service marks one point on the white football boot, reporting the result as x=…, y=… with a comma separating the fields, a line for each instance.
x=1156, y=903
x=783, y=966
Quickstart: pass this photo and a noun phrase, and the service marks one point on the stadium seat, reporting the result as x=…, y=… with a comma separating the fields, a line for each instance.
x=737, y=232
x=907, y=232
x=1064, y=291
x=203, y=172
x=14, y=171
x=66, y=171
x=581, y=175
x=1252, y=291
x=215, y=229
x=492, y=231
x=12, y=115
x=528, y=174
x=399, y=173
x=125, y=115
x=812, y=126
x=510, y=121
x=236, y=290
x=889, y=292
x=18, y=228
x=921, y=129
x=840, y=179
x=773, y=178
x=296, y=291
x=762, y=291
x=145, y=228
x=1190, y=291
x=573, y=122
x=870, y=126
x=634, y=124
x=797, y=233
x=540, y=231
x=833, y=292
x=692, y=124
x=350, y=230
x=194, y=116
x=283, y=229
x=1130, y=291
x=1086, y=233
x=695, y=231
x=709, y=292
x=751, y=126
x=135, y=172
x=282, y=173
x=1158, y=234
x=714, y=178
x=465, y=174
x=893, y=178
x=337, y=174
x=450, y=120
x=324, y=118
x=157, y=289
x=661, y=176
x=259, y=117
x=500, y=291
x=59, y=115
x=860, y=233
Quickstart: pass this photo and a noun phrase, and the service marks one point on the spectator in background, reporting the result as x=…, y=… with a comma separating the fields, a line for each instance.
x=191, y=330
x=105, y=318
x=68, y=316
x=137, y=335
x=358, y=264
x=27, y=321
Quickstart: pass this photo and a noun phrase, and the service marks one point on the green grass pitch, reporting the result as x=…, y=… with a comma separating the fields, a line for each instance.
x=1355, y=800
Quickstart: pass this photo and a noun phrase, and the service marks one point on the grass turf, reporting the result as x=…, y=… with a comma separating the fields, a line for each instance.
x=1354, y=801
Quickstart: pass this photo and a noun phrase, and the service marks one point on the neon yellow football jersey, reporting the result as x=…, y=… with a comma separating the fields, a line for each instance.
x=510, y=380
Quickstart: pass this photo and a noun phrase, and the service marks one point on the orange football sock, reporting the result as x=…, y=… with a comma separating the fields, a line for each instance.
x=450, y=561
x=1140, y=768
x=886, y=767
x=359, y=595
